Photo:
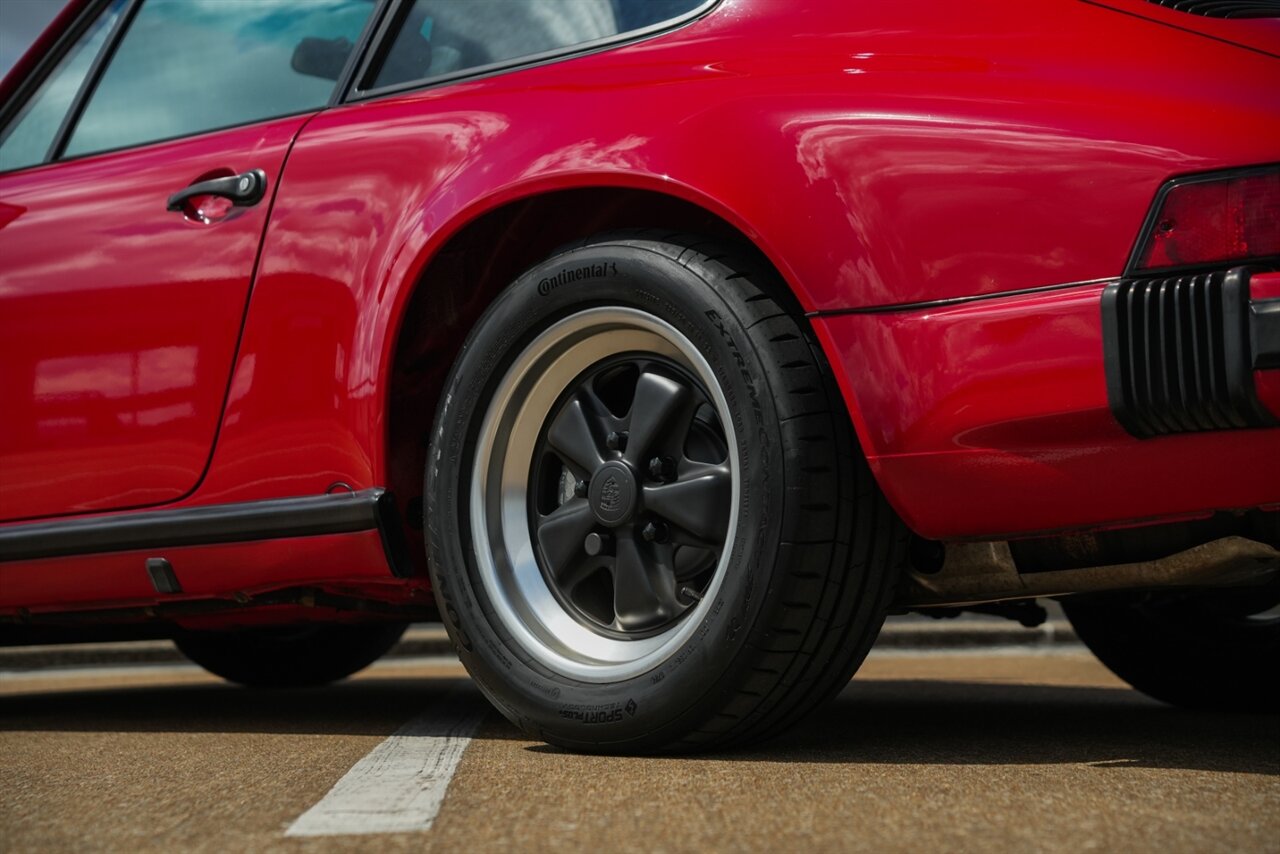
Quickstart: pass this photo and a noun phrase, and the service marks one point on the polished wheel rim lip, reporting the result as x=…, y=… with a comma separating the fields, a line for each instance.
x=506, y=557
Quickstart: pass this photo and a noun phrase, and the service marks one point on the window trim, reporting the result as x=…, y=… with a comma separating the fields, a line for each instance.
x=84, y=20
x=368, y=38
x=47, y=64
x=399, y=9
x=90, y=83
x=366, y=59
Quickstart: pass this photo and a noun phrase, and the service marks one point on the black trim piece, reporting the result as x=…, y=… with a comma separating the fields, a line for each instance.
x=1236, y=9
x=1264, y=333
x=952, y=301
x=23, y=92
x=389, y=24
x=1153, y=215
x=1178, y=354
x=383, y=41
x=68, y=39
x=394, y=541
x=1174, y=26
x=163, y=578
x=356, y=60
x=244, y=190
x=201, y=526
x=90, y=83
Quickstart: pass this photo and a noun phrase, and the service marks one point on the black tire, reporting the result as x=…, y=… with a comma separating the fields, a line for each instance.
x=290, y=657
x=1213, y=650
x=817, y=549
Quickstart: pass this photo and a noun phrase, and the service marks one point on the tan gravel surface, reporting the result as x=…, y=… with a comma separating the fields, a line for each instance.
x=944, y=752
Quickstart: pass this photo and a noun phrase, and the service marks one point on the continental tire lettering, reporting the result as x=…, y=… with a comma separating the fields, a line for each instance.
x=577, y=274
x=552, y=691
x=714, y=317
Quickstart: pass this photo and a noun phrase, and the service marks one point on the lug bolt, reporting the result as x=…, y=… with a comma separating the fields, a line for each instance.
x=598, y=544
x=662, y=469
x=654, y=532
x=616, y=441
x=580, y=489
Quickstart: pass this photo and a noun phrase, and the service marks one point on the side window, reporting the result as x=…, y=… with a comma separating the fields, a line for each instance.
x=186, y=66
x=27, y=139
x=440, y=37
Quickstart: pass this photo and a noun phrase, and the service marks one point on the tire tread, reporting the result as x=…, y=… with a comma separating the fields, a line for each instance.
x=834, y=623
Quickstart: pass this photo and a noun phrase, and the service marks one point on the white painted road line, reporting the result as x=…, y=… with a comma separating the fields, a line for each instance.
x=401, y=784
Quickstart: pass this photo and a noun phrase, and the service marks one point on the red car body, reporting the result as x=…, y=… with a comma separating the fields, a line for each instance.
x=947, y=189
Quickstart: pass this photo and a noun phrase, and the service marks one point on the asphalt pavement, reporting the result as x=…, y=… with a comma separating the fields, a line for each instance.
x=1014, y=749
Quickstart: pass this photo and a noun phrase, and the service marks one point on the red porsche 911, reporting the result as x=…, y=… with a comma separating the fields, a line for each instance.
x=660, y=348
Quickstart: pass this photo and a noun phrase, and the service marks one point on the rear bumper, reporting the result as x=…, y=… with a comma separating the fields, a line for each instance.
x=990, y=419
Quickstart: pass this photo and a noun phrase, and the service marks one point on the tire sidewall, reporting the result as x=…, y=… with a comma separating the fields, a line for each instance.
x=672, y=697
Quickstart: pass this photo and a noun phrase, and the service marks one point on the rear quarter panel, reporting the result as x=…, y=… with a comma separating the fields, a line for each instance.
x=875, y=160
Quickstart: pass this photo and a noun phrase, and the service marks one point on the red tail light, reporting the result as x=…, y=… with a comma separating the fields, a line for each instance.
x=1204, y=220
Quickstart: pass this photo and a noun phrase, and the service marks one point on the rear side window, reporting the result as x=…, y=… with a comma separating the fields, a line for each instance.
x=186, y=66
x=437, y=38
x=28, y=138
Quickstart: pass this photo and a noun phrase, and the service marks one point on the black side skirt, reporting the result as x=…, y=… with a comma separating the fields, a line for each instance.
x=313, y=515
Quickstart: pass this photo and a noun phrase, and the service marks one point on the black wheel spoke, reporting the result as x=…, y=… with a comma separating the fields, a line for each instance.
x=571, y=436
x=561, y=535
x=580, y=570
x=644, y=588
x=629, y=552
x=698, y=502
x=656, y=412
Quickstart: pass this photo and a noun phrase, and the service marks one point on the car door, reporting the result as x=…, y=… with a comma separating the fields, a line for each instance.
x=121, y=301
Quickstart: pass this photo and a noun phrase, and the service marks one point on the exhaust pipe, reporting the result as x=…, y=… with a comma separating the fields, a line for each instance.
x=974, y=573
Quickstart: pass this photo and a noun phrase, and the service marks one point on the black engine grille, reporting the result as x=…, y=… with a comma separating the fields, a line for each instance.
x=1224, y=8
x=1177, y=354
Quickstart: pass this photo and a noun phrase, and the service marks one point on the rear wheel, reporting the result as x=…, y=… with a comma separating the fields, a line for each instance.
x=647, y=522
x=289, y=657
x=1207, y=649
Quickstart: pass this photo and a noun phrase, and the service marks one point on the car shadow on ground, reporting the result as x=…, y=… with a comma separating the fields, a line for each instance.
x=935, y=722
x=959, y=723
x=931, y=722
x=358, y=707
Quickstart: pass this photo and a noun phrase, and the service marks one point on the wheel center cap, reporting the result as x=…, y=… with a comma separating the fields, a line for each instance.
x=613, y=494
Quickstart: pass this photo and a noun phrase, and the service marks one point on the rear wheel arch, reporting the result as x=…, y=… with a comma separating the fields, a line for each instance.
x=471, y=267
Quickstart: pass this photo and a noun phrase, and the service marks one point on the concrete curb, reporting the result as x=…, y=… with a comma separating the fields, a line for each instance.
x=421, y=641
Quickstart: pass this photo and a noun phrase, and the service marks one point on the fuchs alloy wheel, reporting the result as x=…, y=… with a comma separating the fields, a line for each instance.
x=603, y=487
x=647, y=523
